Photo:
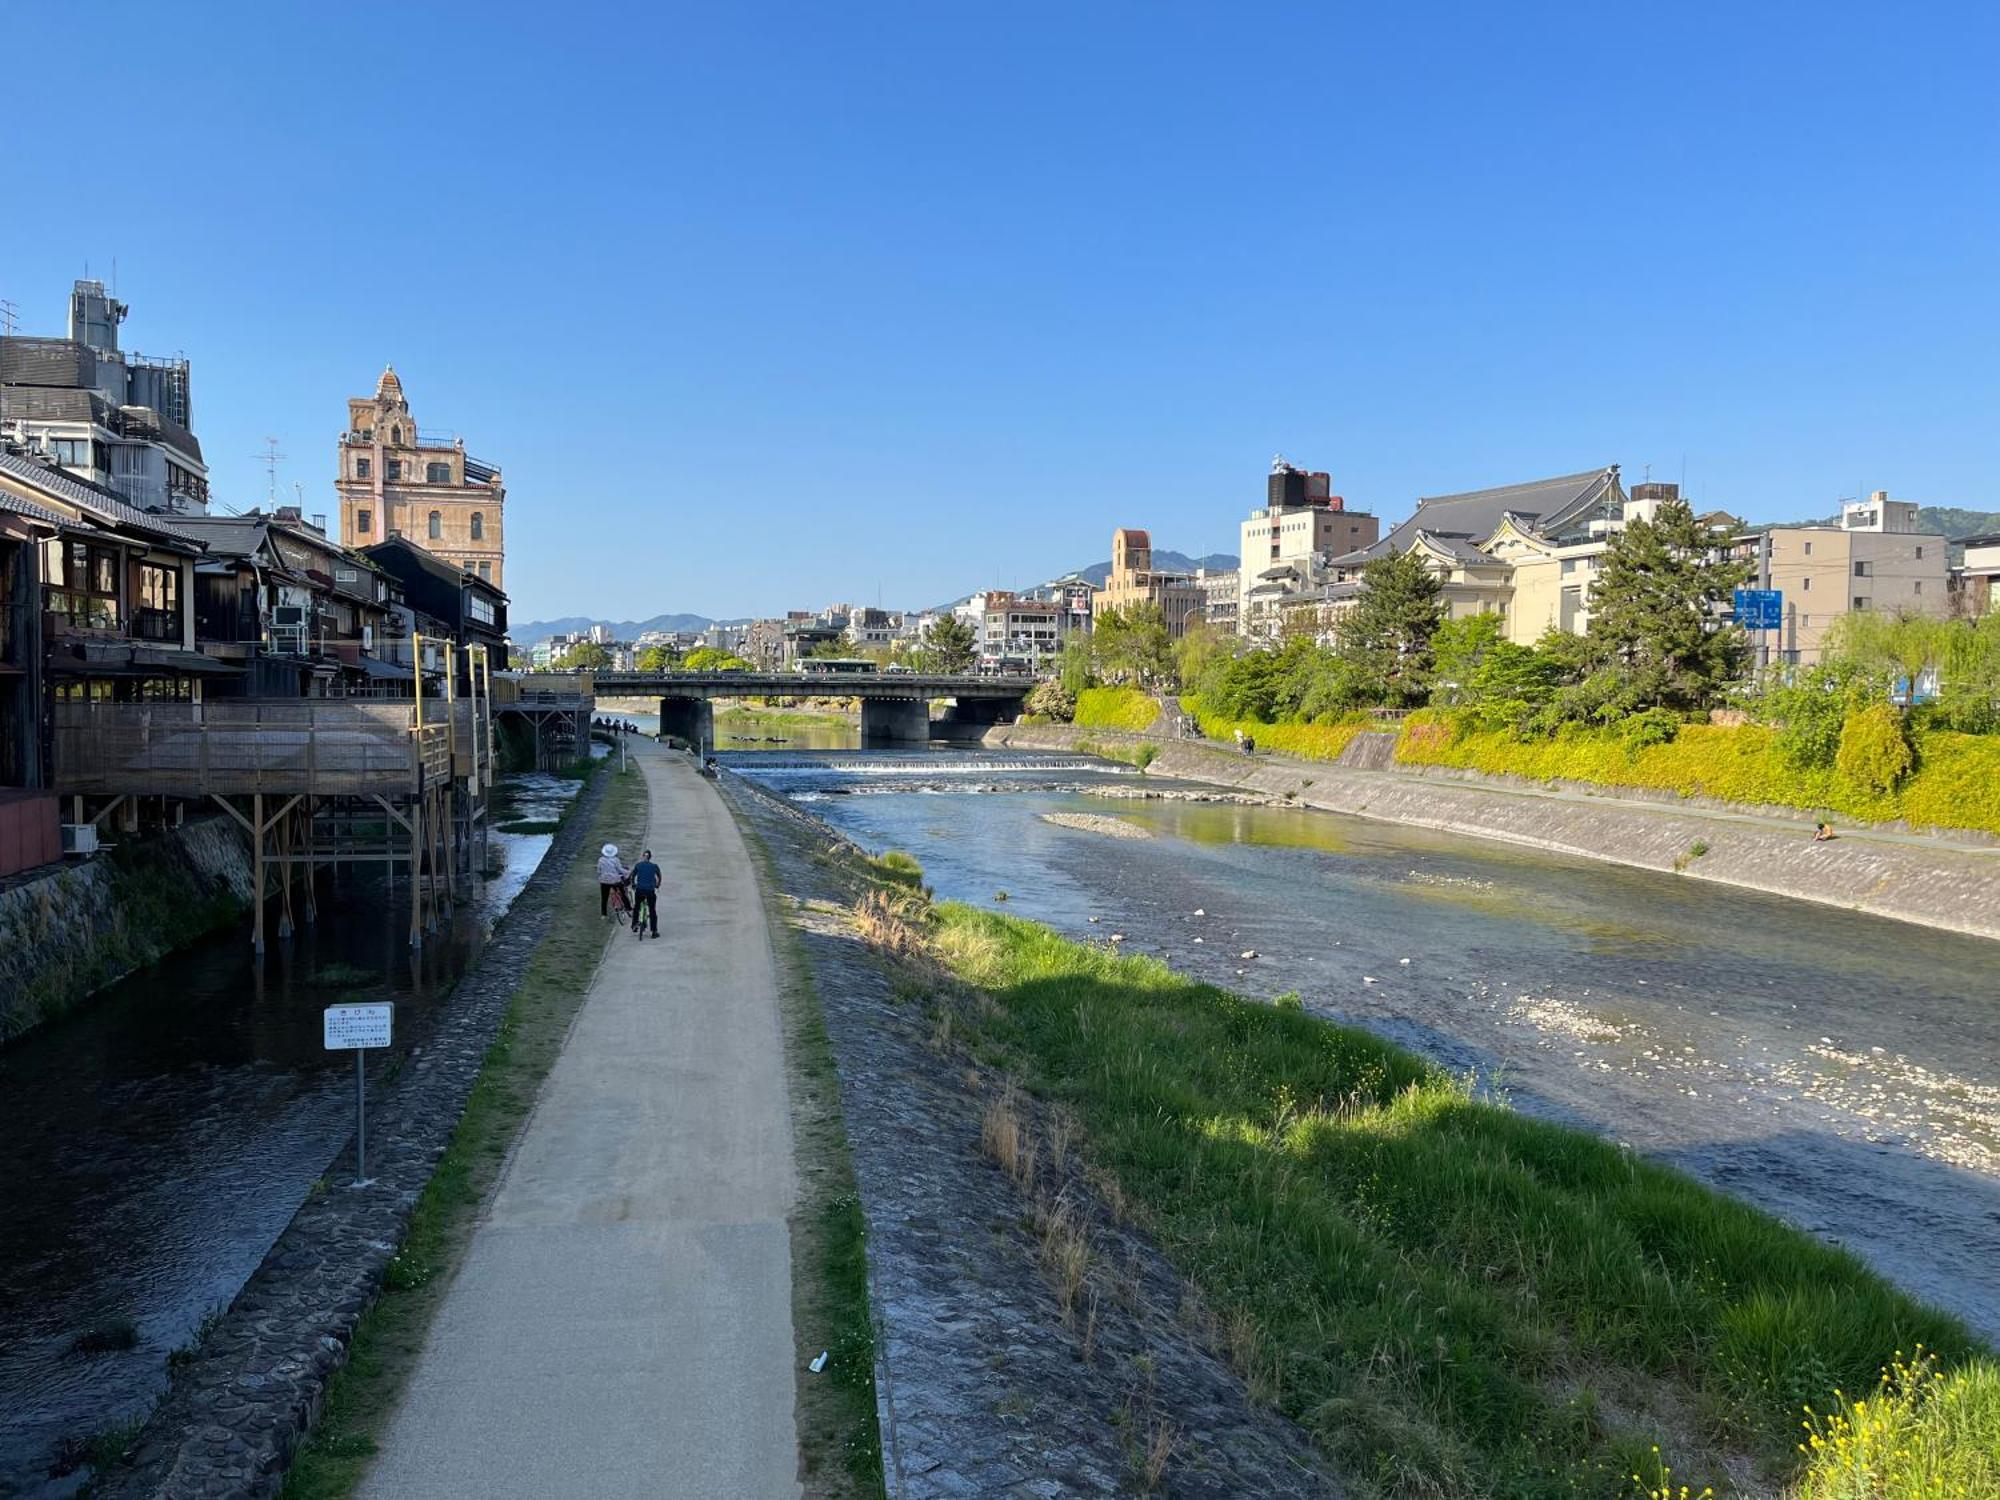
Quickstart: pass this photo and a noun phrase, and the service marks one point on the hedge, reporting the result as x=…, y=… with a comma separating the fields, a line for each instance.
x=1956, y=783
x=1305, y=741
x=1116, y=708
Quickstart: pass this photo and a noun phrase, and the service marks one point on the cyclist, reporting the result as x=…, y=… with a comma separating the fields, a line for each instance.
x=646, y=898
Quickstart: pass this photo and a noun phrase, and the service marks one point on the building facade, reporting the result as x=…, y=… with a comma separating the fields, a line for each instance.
x=107, y=416
x=1017, y=632
x=1874, y=559
x=1284, y=545
x=398, y=481
x=1133, y=582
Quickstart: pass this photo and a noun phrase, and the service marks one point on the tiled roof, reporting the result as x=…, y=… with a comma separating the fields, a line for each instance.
x=93, y=500
x=15, y=505
x=1545, y=505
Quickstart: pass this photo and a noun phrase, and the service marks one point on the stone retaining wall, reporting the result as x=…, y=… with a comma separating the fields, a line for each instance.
x=1938, y=882
x=81, y=925
x=238, y=1408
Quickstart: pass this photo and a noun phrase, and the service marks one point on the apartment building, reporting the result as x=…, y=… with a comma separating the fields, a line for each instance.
x=105, y=415
x=1133, y=581
x=397, y=480
x=1015, y=631
x=1876, y=558
x=1284, y=545
x=1973, y=581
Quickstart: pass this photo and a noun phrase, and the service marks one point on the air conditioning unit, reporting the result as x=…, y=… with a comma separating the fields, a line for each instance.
x=79, y=838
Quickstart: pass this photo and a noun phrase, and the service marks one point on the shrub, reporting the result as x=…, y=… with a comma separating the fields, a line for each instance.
x=1125, y=708
x=1874, y=751
x=1051, y=702
x=1321, y=741
x=1653, y=726
x=900, y=868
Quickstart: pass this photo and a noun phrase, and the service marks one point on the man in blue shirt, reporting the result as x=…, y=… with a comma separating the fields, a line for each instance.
x=646, y=894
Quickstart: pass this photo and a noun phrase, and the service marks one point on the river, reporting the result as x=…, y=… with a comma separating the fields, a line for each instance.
x=1839, y=1070
x=157, y=1141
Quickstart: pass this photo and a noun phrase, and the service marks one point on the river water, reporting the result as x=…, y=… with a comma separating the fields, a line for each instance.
x=155, y=1143
x=1839, y=1070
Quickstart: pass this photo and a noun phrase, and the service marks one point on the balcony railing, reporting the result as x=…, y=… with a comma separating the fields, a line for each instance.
x=156, y=624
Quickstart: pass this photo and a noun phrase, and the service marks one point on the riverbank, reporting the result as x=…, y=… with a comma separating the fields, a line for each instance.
x=242, y=1395
x=72, y=929
x=1936, y=882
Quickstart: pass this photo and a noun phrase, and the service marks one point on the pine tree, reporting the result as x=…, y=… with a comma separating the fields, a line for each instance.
x=951, y=645
x=1387, y=635
x=1657, y=608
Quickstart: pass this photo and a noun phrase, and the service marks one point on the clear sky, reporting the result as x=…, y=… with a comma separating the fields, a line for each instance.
x=764, y=306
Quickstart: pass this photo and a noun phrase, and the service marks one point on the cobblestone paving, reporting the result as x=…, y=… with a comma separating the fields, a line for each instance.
x=237, y=1411
x=984, y=1388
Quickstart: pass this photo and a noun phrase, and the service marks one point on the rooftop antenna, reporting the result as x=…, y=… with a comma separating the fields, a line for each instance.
x=9, y=312
x=270, y=458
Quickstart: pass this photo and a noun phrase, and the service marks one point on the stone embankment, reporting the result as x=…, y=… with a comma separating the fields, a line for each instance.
x=1946, y=882
x=985, y=1383
x=240, y=1403
x=73, y=928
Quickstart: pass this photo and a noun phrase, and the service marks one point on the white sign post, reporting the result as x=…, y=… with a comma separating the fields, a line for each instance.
x=356, y=1028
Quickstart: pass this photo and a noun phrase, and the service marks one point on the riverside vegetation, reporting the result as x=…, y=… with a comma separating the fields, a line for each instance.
x=1454, y=1299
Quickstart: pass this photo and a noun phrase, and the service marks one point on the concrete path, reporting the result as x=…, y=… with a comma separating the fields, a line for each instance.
x=621, y=1324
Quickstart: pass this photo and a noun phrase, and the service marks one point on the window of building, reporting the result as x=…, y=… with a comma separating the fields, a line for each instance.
x=396, y=436
x=1920, y=552
x=478, y=526
x=1860, y=601
x=364, y=521
x=395, y=468
x=480, y=609
x=1808, y=549
x=1862, y=569
x=486, y=571
x=363, y=468
x=437, y=473
x=157, y=585
x=1918, y=586
x=72, y=453
x=82, y=584
x=1805, y=584
x=437, y=525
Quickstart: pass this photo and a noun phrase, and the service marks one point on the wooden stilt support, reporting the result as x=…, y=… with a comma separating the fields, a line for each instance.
x=257, y=842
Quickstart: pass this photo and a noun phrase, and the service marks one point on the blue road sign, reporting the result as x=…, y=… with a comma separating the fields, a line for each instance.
x=1760, y=609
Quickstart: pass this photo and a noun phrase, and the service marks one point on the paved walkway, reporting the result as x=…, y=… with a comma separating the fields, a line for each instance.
x=621, y=1324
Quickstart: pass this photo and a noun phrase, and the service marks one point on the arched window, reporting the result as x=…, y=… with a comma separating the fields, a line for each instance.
x=396, y=436
x=437, y=525
x=478, y=527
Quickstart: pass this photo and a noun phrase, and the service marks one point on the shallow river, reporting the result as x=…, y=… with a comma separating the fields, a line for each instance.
x=155, y=1143
x=1840, y=1070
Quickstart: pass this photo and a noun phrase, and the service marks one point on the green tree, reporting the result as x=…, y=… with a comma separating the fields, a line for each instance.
x=1132, y=645
x=584, y=656
x=1197, y=647
x=657, y=659
x=1387, y=635
x=1457, y=650
x=1656, y=611
x=713, y=659
x=950, y=645
x=1052, y=700
x=1075, y=670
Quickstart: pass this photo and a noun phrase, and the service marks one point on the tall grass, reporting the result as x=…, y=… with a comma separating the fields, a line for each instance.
x=1455, y=1299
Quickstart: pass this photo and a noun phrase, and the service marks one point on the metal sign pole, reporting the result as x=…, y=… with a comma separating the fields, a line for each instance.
x=361, y=1117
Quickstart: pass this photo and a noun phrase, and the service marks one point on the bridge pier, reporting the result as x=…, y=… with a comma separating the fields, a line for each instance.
x=689, y=719
x=895, y=721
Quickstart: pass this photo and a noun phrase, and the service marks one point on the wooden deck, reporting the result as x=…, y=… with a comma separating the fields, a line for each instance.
x=293, y=747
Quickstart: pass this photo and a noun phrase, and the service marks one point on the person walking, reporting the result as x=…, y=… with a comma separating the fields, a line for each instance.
x=611, y=876
x=646, y=894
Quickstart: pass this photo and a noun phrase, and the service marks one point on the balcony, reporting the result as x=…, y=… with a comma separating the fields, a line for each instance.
x=157, y=625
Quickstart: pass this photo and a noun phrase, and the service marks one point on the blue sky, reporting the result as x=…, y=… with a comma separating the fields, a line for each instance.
x=763, y=306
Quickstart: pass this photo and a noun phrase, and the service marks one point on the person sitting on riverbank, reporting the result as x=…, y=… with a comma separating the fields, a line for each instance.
x=1822, y=831
x=611, y=876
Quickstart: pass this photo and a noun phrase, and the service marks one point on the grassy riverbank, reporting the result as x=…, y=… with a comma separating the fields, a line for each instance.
x=390, y=1337
x=1456, y=1300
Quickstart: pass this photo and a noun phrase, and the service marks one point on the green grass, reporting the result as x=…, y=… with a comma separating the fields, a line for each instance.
x=1917, y=1433
x=1124, y=708
x=1455, y=1299
x=1300, y=741
x=1139, y=756
x=391, y=1334
x=781, y=718
x=840, y=1438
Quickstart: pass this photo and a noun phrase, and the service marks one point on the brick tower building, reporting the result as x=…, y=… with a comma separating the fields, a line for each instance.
x=396, y=480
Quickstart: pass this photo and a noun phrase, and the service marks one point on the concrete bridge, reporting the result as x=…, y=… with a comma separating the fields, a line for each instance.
x=895, y=706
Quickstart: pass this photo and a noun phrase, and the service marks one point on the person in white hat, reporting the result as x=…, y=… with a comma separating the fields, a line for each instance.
x=611, y=876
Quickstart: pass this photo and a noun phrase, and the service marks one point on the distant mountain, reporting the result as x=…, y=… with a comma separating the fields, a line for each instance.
x=624, y=630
